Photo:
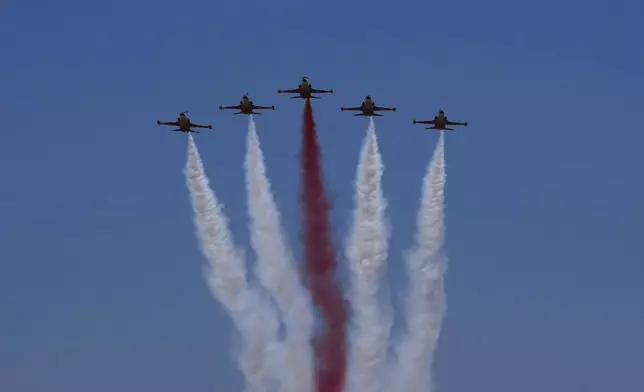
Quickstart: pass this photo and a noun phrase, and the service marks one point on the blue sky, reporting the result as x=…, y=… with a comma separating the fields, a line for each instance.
x=100, y=274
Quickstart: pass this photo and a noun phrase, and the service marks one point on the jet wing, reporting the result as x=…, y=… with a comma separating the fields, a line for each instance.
x=432, y=122
x=319, y=91
x=455, y=123
x=200, y=126
x=352, y=108
x=171, y=123
x=263, y=107
x=235, y=107
x=290, y=91
x=380, y=108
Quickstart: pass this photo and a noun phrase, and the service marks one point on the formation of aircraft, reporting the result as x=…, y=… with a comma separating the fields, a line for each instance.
x=368, y=108
x=246, y=106
x=305, y=91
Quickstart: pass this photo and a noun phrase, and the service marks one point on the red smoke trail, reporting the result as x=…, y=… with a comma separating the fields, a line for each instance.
x=329, y=344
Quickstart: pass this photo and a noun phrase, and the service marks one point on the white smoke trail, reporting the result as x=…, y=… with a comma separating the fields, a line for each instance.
x=426, y=267
x=256, y=321
x=277, y=271
x=367, y=254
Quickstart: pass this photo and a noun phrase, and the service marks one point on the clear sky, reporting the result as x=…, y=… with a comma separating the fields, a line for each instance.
x=100, y=274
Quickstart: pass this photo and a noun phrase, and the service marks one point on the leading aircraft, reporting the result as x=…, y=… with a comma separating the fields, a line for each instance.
x=305, y=90
x=368, y=108
x=246, y=106
x=184, y=124
x=440, y=122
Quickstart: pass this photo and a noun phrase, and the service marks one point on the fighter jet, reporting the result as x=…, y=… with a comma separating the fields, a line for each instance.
x=304, y=90
x=368, y=108
x=184, y=124
x=246, y=106
x=440, y=122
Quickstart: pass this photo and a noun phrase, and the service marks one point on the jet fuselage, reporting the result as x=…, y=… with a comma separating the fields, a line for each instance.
x=368, y=105
x=184, y=122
